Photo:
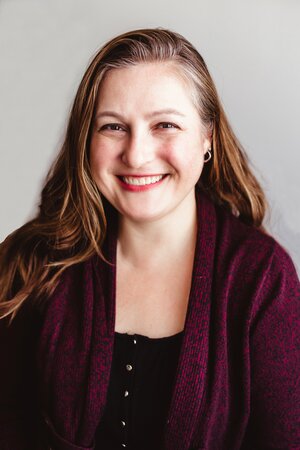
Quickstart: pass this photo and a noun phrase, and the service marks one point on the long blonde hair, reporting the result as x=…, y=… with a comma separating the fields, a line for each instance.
x=70, y=225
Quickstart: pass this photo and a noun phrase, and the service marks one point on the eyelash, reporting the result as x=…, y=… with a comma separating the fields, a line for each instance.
x=110, y=126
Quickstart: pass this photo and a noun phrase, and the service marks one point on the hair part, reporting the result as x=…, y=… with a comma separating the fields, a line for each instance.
x=71, y=223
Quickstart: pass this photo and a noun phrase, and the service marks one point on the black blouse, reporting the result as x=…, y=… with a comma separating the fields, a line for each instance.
x=139, y=393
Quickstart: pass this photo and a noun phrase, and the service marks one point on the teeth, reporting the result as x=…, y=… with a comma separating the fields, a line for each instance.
x=142, y=181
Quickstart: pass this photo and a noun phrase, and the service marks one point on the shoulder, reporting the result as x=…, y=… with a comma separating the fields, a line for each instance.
x=248, y=246
x=254, y=269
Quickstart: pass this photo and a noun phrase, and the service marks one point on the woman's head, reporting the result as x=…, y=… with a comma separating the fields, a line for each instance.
x=148, y=71
x=226, y=178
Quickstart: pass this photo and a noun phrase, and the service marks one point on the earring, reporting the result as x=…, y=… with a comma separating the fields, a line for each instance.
x=206, y=159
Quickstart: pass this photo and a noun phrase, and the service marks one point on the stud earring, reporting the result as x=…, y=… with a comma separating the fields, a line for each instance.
x=207, y=158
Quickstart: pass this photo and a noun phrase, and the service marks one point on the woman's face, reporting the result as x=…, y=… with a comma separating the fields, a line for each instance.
x=147, y=143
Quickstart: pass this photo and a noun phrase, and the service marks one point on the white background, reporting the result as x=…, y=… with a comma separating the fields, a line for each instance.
x=252, y=49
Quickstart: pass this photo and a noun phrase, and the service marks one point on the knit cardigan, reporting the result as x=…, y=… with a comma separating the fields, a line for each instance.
x=237, y=382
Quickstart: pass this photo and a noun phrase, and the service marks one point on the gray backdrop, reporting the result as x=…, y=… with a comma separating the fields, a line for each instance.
x=252, y=48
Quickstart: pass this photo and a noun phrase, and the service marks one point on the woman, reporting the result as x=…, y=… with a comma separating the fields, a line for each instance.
x=147, y=306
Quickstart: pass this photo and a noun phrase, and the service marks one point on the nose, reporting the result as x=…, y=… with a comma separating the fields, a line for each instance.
x=138, y=150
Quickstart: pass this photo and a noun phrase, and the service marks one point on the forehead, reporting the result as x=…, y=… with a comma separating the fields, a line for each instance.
x=148, y=85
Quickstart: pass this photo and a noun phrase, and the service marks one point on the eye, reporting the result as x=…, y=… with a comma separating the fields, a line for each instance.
x=112, y=127
x=167, y=125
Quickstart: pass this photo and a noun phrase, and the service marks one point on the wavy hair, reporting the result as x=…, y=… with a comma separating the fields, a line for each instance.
x=70, y=225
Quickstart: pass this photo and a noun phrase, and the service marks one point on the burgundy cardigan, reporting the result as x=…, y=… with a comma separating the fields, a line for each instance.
x=237, y=381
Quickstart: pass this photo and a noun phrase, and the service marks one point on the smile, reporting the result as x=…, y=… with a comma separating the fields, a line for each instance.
x=141, y=181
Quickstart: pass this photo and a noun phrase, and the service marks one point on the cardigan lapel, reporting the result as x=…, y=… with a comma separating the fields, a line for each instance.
x=75, y=351
x=190, y=378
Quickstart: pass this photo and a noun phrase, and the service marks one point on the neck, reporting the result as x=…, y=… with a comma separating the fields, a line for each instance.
x=147, y=244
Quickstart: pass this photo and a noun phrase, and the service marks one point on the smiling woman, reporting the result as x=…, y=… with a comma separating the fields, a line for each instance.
x=144, y=306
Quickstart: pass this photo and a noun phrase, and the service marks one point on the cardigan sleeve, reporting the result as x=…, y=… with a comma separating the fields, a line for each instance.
x=18, y=393
x=275, y=360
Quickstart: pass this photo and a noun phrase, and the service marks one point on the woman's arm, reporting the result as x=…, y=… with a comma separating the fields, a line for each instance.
x=275, y=360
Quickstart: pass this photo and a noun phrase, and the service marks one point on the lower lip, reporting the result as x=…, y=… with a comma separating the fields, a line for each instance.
x=141, y=188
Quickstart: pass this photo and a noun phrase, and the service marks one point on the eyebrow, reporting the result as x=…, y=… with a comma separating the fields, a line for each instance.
x=148, y=116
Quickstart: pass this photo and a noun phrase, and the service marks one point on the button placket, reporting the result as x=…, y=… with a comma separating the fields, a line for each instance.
x=128, y=373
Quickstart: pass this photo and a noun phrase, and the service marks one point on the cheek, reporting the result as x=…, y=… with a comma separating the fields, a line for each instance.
x=184, y=156
x=100, y=156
